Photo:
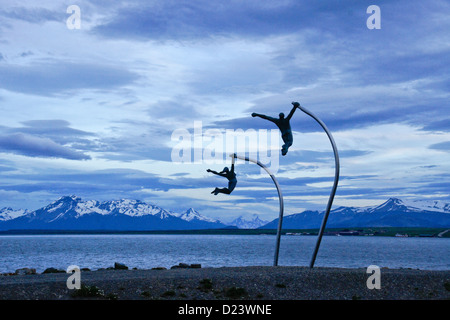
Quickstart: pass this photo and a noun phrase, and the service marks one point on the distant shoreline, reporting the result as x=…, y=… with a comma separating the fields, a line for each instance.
x=364, y=231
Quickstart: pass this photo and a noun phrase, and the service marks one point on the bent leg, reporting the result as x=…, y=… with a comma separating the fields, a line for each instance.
x=223, y=190
x=288, y=140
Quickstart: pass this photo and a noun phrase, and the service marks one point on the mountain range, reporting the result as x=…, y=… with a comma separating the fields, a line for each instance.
x=73, y=213
x=242, y=223
x=392, y=213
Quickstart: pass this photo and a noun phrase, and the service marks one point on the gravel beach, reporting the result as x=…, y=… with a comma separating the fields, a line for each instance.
x=243, y=283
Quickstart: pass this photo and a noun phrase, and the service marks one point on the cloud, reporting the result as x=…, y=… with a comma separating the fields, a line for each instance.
x=126, y=141
x=180, y=109
x=203, y=19
x=52, y=134
x=402, y=67
x=136, y=140
x=5, y=168
x=96, y=184
x=438, y=125
x=347, y=108
x=57, y=77
x=171, y=19
x=57, y=130
x=33, y=146
x=32, y=15
x=443, y=146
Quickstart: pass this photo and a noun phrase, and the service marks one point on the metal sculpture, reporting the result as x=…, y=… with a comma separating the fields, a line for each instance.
x=280, y=197
x=286, y=132
x=335, y=184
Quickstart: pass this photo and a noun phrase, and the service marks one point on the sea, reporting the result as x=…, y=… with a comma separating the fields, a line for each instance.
x=146, y=251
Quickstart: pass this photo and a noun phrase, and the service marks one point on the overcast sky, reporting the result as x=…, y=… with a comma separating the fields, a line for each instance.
x=94, y=111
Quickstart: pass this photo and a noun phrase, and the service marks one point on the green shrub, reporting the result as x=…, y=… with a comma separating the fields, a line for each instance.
x=447, y=286
x=87, y=291
x=112, y=296
x=235, y=293
x=205, y=285
x=169, y=293
x=146, y=294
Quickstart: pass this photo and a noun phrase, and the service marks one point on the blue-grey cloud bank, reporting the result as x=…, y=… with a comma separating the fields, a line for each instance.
x=92, y=110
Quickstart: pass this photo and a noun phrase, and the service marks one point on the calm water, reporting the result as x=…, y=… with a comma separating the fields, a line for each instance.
x=148, y=251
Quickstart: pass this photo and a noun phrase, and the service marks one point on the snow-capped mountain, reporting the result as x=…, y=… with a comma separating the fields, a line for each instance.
x=392, y=213
x=133, y=208
x=192, y=215
x=427, y=205
x=253, y=223
x=9, y=213
x=73, y=213
x=198, y=221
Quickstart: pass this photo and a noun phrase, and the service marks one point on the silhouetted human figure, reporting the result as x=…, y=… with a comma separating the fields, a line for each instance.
x=230, y=175
x=284, y=126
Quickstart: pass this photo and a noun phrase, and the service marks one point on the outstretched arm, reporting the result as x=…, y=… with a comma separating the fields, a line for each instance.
x=263, y=116
x=296, y=105
x=215, y=172
x=233, y=159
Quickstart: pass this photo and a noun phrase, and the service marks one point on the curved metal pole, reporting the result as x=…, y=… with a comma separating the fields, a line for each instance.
x=280, y=197
x=333, y=190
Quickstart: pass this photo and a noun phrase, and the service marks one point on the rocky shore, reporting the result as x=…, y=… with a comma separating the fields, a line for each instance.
x=191, y=282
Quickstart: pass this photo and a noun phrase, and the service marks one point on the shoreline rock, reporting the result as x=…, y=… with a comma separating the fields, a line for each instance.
x=182, y=265
x=23, y=271
x=53, y=270
x=120, y=266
